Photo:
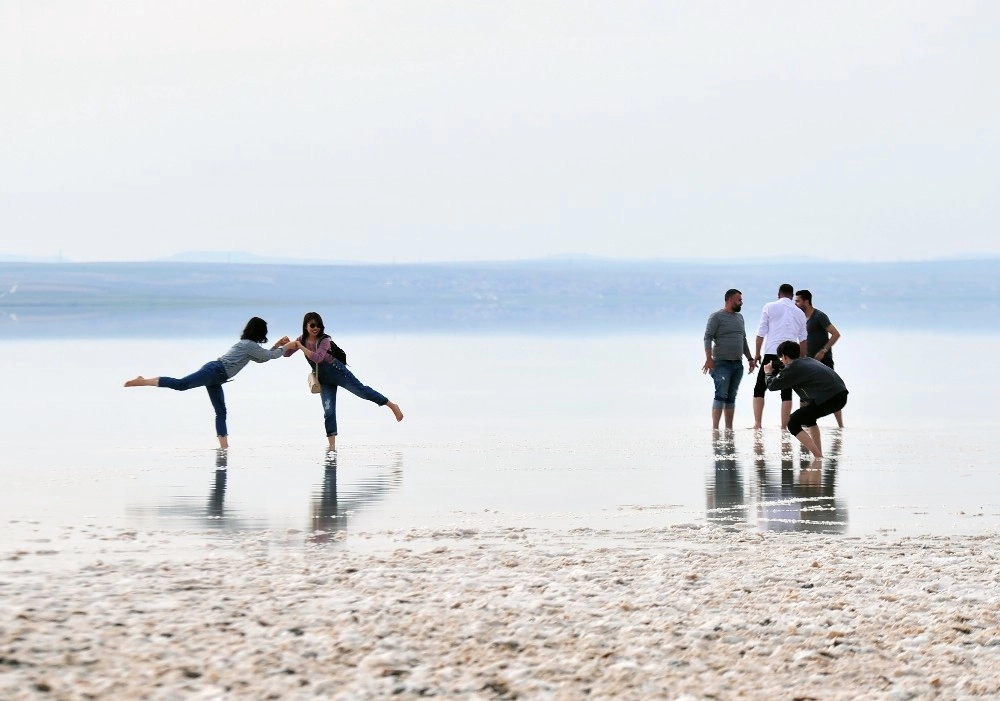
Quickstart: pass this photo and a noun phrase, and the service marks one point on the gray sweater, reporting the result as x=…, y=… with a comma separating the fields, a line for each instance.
x=728, y=332
x=813, y=381
x=237, y=357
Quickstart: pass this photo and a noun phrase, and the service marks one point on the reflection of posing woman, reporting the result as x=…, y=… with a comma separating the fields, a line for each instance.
x=214, y=373
x=320, y=350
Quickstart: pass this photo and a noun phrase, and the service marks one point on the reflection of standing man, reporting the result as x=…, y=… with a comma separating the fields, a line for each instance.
x=725, y=344
x=725, y=501
x=775, y=510
x=780, y=321
x=821, y=335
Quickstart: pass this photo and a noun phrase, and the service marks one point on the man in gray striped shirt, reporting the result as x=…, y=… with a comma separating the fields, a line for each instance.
x=725, y=342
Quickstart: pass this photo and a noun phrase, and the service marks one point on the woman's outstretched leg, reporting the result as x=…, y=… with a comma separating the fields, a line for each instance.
x=210, y=376
x=211, y=373
x=338, y=374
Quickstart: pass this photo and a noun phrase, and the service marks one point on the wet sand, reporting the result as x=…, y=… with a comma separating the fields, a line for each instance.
x=682, y=612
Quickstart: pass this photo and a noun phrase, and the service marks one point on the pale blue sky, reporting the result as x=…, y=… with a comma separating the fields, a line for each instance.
x=405, y=131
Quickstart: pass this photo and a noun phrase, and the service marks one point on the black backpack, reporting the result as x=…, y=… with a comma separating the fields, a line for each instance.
x=336, y=351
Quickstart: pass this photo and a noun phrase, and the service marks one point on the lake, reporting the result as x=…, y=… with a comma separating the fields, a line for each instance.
x=603, y=434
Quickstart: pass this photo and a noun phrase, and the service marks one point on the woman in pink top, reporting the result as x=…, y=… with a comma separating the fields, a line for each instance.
x=331, y=369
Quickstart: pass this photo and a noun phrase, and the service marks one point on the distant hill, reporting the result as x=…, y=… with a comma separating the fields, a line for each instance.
x=241, y=257
x=583, y=296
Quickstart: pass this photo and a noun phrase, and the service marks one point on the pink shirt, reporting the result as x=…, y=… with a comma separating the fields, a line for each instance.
x=323, y=350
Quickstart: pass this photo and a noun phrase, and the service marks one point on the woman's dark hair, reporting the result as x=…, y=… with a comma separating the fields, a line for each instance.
x=256, y=331
x=312, y=316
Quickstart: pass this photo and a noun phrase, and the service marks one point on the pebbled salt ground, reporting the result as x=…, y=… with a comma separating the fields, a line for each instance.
x=686, y=612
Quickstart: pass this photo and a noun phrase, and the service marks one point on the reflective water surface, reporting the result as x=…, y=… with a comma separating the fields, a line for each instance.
x=605, y=434
x=778, y=490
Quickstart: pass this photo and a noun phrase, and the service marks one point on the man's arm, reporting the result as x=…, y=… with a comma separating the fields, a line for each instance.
x=834, y=337
x=785, y=378
x=802, y=331
x=709, y=362
x=762, y=329
x=710, y=330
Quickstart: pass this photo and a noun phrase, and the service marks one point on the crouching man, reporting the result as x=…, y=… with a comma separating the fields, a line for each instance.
x=820, y=388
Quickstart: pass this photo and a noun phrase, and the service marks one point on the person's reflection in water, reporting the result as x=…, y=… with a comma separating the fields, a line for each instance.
x=821, y=511
x=777, y=510
x=331, y=506
x=836, y=442
x=324, y=504
x=803, y=501
x=726, y=504
x=217, y=494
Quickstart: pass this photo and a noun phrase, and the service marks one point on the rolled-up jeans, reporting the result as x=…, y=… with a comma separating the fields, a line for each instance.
x=727, y=375
x=335, y=374
x=211, y=376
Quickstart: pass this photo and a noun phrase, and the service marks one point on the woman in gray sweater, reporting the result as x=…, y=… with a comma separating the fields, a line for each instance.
x=820, y=388
x=214, y=373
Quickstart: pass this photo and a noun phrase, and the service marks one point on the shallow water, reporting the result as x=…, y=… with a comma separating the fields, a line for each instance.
x=561, y=433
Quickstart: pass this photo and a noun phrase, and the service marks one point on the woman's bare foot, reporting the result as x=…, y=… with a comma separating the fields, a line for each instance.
x=141, y=381
x=395, y=410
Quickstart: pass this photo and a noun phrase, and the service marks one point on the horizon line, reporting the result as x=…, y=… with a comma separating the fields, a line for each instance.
x=246, y=258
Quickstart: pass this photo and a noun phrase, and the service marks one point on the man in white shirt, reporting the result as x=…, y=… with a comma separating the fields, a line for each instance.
x=780, y=321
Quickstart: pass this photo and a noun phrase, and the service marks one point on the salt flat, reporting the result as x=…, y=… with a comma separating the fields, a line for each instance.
x=680, y=612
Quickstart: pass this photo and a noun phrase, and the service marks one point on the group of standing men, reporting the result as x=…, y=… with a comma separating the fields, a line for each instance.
x=796, y=339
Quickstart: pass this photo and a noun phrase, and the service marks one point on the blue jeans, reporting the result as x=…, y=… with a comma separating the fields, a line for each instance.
x=335, y=374
x=727, y=375
x=211, y=376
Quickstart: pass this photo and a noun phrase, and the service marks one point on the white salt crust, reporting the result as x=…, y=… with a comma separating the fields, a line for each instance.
x=679, y=613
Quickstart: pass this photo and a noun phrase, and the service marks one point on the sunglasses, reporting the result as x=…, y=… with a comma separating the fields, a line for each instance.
x=314, y=325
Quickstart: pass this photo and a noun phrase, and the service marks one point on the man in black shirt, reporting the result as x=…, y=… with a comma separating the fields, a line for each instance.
x=821, y=334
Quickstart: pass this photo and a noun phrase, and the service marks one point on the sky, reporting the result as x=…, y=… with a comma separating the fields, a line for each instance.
x=425, y=131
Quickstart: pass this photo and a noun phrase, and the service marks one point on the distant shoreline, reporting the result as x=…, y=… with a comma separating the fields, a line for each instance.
x=549, y=295
x=245, y=258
